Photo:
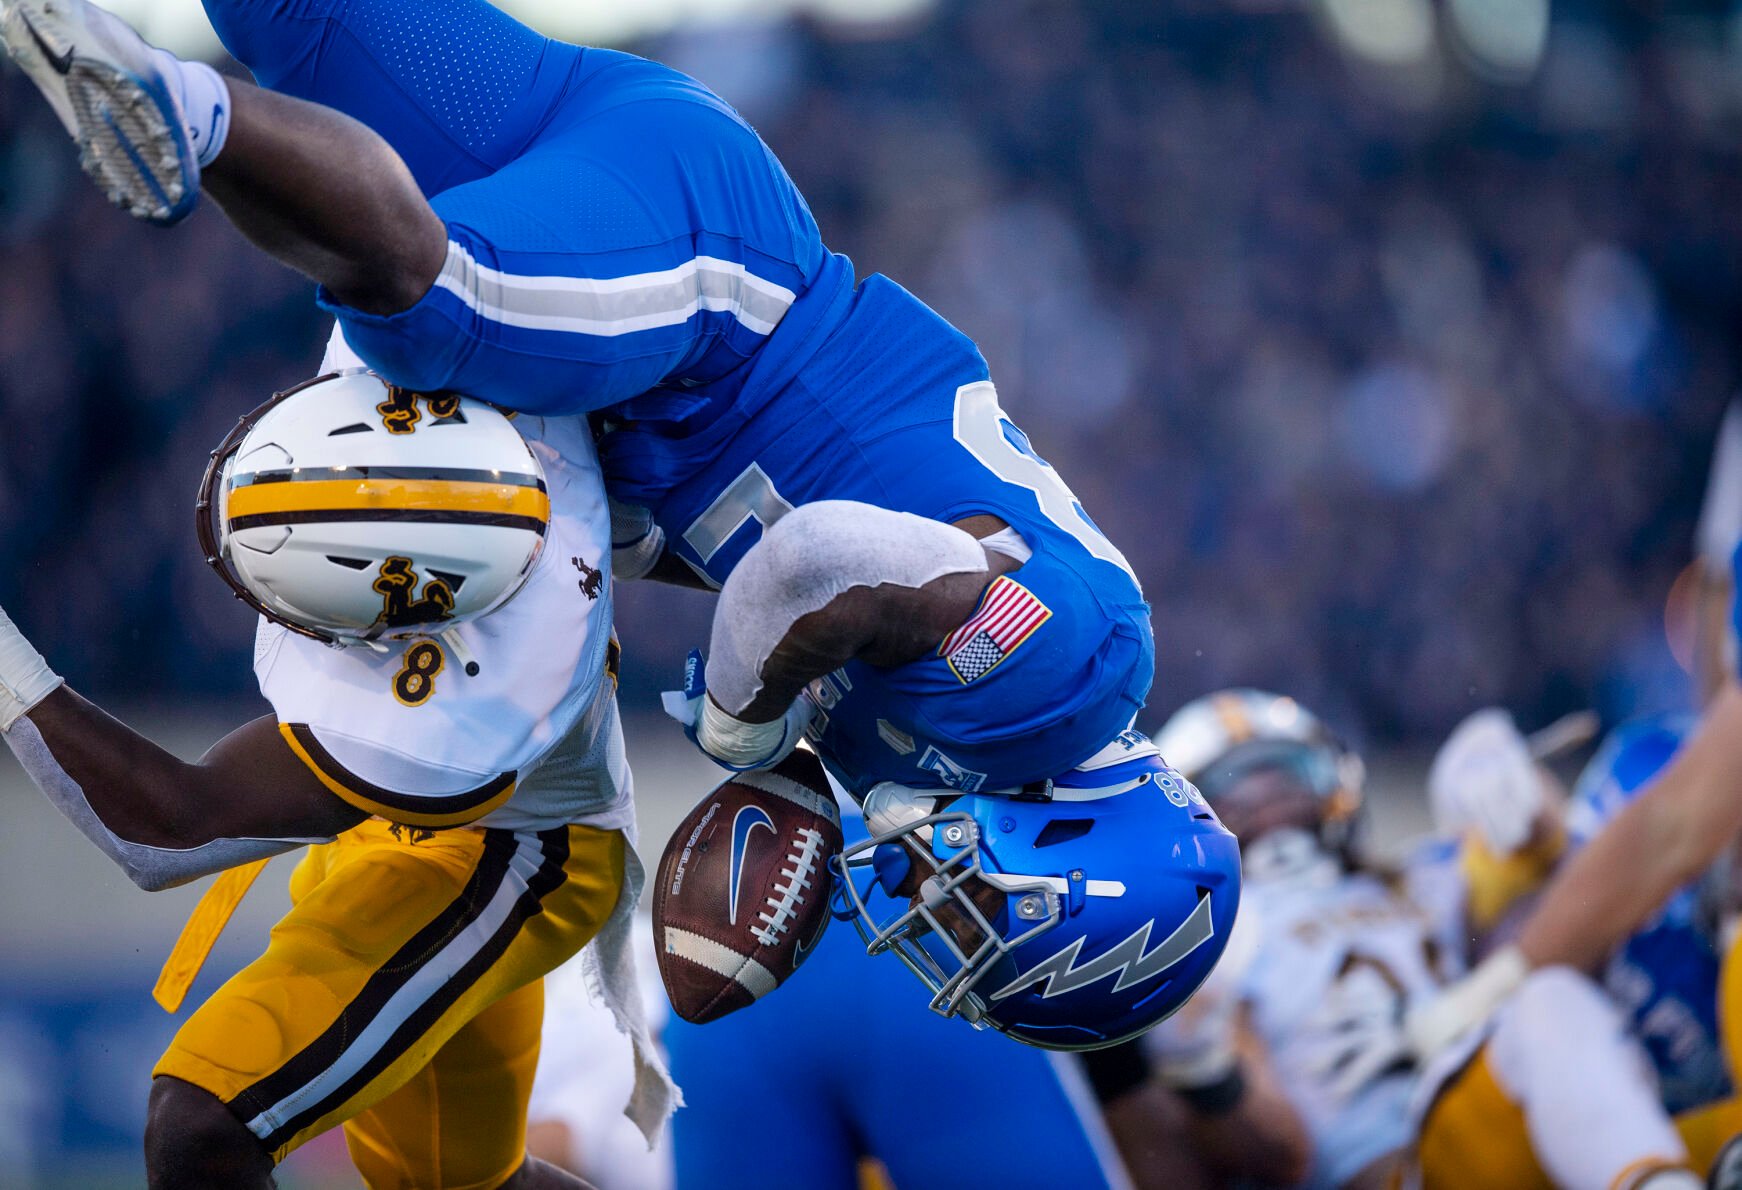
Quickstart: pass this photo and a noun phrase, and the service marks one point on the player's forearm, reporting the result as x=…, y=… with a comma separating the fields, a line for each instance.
x=119, y=790
x=1663, y=839
x=831, y=582
x=129, y=782
x=815, y=645
x=325, y=195
x=162, y=821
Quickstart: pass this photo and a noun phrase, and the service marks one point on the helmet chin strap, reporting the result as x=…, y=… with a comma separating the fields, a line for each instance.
x=1287, y=853
x=462, y=654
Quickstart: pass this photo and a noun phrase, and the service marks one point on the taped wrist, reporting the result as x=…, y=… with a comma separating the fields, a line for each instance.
x=1467, y=1003
x=25, y=678
x=803, y=562
x=151, y=868
x=742, y=745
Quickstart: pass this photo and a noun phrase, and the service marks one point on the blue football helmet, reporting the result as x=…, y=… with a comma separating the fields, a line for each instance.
x=1664, y=977
x=1070, y=915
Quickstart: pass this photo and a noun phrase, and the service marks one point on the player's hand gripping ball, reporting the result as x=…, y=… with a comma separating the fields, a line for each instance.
x=743, y=889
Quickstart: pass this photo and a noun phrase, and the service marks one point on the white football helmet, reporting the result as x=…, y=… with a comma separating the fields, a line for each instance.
x=352, y=511
x=1218, y=741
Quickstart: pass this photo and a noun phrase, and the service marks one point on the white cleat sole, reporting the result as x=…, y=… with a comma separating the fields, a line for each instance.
x=132, y=142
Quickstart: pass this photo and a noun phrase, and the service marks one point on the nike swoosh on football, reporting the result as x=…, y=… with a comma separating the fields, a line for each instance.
x=803, y=948
x=62, y=62
x=740, y=836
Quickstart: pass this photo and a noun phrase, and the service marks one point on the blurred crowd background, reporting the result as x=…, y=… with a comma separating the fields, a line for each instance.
x=1388, y=338
x=1390, y=355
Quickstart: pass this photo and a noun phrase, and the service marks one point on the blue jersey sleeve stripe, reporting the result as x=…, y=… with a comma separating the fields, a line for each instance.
x=607, y=307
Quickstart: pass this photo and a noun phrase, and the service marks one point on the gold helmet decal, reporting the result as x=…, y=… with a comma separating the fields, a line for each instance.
x=399, y=412
x=396, y=584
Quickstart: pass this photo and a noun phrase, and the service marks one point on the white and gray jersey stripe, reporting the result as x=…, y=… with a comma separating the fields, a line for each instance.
x=612, y=306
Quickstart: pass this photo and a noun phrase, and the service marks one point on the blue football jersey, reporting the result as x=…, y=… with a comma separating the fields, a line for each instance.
x=621, y=242
x=1665, y=976
x=896, y=410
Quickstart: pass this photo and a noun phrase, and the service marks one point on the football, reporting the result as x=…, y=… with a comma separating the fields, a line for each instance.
x=742, y=893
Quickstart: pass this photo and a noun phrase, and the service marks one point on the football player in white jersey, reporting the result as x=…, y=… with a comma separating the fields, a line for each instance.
x=1341, y=952
x=1338, y=950
x=445, y=743
x=1558, y=1088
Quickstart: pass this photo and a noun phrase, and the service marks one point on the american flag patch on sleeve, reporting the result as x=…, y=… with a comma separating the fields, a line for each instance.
x=1007, y=616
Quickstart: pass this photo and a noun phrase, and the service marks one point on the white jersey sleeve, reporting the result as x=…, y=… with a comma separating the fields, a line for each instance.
x=465, y=753
x=1341, y=960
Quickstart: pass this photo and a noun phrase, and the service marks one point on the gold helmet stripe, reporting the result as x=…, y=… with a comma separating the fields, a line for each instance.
x=284, y=502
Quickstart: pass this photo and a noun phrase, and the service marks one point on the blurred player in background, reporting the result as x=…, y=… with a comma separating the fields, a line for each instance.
x=1331, y=951
x=469, y=824
x=1665, y=839
x=1523, y=1078
x=607, y=236
x=1572, y=1083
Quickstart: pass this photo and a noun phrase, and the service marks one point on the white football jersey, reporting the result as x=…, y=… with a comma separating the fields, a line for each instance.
x=1340, y=957
x=532, y=740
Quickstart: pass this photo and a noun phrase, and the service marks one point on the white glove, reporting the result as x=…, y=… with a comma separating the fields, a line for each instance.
x=1484, y=778
x=636, y=541
x=1357, y=1033
x=25, y=678
x=1464, y=1005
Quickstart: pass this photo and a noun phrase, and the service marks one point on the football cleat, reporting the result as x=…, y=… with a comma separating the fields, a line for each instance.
x=102, y=81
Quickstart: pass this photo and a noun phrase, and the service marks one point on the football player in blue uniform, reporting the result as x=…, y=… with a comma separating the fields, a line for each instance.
x=561, y=230
x=1665, y=976
x=1684, y=818
x=841, y=1097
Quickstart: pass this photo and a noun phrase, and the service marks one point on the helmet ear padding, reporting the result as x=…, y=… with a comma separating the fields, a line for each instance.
x=342, y=511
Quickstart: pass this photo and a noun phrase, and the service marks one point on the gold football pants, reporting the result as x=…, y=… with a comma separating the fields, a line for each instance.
x=401, y=997
x=1474, y=1134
